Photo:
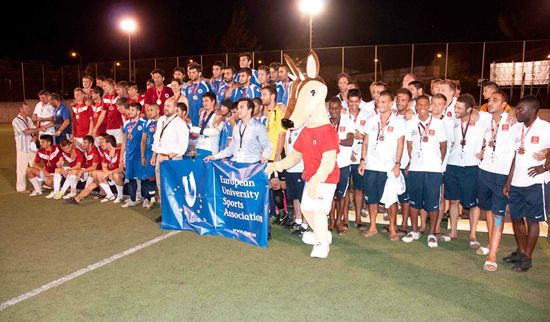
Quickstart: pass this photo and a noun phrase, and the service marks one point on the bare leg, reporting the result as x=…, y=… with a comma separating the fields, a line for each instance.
x=433, y=221
x=532, y=237
x=405, y=212
x=496, y=234
x=358, y=200
x=392, y=212
x=474, y=219
x=414, y=219
x=490, y=220
x=373, y=212
x=520, y=234
x=453, y=211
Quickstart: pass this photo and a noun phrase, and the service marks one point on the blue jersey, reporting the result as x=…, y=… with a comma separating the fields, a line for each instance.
x=283, y=90
x=195, y=91
x=150, y=128
x=61, y=113
x=251, y=91
x=133, y=130
x=253, y=80
x=216, y=84
x=220, y=94
x=225, y=135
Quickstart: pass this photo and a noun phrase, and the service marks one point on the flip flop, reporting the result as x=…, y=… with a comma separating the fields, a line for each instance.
x=402, y=233
x=490, y=266
x=443, y=238
x=368, y=234
x=474, y=244
x=394, y=237
x=342, y=230
x=483, y=251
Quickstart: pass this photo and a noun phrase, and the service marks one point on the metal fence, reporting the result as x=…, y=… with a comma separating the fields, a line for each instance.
x=467, y=62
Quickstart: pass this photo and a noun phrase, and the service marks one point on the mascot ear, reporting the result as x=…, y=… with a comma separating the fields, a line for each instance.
x=294, y=71
x=312, y=68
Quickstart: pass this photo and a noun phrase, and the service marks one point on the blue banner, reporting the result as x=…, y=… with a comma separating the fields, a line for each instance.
x=216, y=198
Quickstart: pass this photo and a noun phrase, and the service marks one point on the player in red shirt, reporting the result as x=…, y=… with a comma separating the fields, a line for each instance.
x=114, y=118
x=99, y=110
x=44, y=164
x=68, y=166
x=135, y=97
x=158, y=93
x=82, y=116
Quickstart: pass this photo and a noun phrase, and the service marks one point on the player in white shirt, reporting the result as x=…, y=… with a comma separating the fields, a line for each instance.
x=369, y=108
x=43, y=113
x=462, y=169
x=527, y=185
x=208, y=141
x=494, y=168
x=448, y=89
x=383, y=149
x=295, y=184
x=343, y=81
x=345, y=127
x=375, y=89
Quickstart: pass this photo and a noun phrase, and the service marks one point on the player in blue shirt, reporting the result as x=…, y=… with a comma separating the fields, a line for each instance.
x=245, y=61
x=216, y=81
x=228, y=83
x=245, y=89
x=131, y=149
x=195, y=90
x=148, y=184
x=283, y=86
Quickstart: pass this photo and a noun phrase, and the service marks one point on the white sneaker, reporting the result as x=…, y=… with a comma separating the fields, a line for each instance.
x=35, y=193
x=432, y=241
x=320, y=250
x=51, y=195
x=129, y=203
x=58, y=196
x=118, y=200
x=107, y=199
x=152, y=203
x=69, y=196
x=309, y=238
x=145, y=203
x=410, y=237
x=139, y=199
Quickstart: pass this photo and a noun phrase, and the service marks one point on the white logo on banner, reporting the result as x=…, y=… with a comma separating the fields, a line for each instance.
x=190, y=188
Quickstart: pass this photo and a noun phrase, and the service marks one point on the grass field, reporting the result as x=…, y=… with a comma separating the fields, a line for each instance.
x=189, y=277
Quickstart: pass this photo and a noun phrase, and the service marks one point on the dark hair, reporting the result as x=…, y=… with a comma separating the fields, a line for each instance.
x=530, y=100
x=405, y=91
x=88, y=77
x=249, y=103
x=335, y=100
x=88, y=138
x=264, y=68
x=103, y=135
x=122, y=83
x=110, y=81
x=257, y=101
x=195, y=65
x=417, y=84
x=43, y=92
x=344, y=75
x=423, y=96
x=158, y=71
x=177, y=80
x=97, y=90
x=219, y=63
x=275, y=65
x=380, y=83
x=55, y=97
x=246, y=54
x=133, y=84
x=182, y=106
x=179, y=69
x=64, y=142
x=47, y=137
x=100, y=78
x=110, y=139
x=210, y=95
x=135, y=105
x=228, y=103
x=493, y=85
x=387, y=93
x=468, y=100
x=122, y=101
x=503, y=95
x=441, y=96
x=354, y=92
x=272, y=90
x=248, y=71
x=354, y=83
x=233, y=69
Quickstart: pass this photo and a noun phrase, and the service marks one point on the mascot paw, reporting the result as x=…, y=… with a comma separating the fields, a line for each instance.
x=270, y=168
x=313, y=188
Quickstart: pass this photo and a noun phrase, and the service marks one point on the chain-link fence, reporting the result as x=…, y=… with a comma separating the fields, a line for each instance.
x=469, y=63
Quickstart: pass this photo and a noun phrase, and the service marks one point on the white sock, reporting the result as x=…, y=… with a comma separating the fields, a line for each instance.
x=89, y=180
x=138, y=190
x=298, y=221
x=119, y=190
x=57, y=182
x=304, y=225
x=35, y=184
x=74, y=181
x=65, y=185
x=107, y=189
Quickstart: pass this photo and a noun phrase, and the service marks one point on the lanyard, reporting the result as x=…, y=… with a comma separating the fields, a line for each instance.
x=524, y=135
x=241, y=134
x=164, y=127
x=205, y=122
x=424, y=134
x=244, y=91
x=381, y=129
x=195, y=88
x=336, y=126
x=464, y=131
x=494, y=134
x=24, y=121
x=159, y=93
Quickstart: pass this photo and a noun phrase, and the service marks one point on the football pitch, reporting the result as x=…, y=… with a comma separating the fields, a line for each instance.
x=186, y=277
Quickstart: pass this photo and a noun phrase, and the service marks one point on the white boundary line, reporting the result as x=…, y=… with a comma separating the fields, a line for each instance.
x=83, y=271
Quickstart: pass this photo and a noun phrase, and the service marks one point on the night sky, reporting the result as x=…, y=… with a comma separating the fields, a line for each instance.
x=170, y=28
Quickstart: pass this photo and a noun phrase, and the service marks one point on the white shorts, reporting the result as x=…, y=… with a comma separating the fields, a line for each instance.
x=323, y=202
x=117, y=134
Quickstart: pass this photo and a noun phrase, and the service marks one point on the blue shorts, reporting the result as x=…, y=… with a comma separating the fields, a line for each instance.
x=358, y=181
x=489, y=192
x=294, y=185
x=343, y=184
x=425, y=189
x=405, y=196
x=134, y=169
x=149, y=169
x=374, y=186
x=461, y=184
x=529, y=202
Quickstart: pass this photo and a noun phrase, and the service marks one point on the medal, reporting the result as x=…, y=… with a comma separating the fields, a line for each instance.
x=76, y=116
x=195, y=88
x=195, y=97
x=49, y=164
x=159, y=102
x=159, y=95
x=521, y=150
x=463, y=142
x=464, y=131
x=130, y=136
x=381, y=128
x=491, y=143
x=425, y=139
x=381, y=138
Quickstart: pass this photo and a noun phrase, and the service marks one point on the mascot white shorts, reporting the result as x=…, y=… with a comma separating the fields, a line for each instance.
x=323, y=202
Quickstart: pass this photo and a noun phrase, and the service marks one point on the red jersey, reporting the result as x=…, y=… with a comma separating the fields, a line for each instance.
x=90, y=157
x=81, y=119
x=49, y=158
x=152, y=96
x=114, y=119
x=312, y=143
x=96, y=110
x=112, y=161
x=73, y=158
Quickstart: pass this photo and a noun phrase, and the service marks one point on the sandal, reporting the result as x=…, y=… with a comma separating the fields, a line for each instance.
x=368, y=233
x=362, y=227
x=474, y=244
x=386, y=229
x=443, y=238
x=490, y=266
x=401, y=233
x=482, y=251
x=342, y=229
x=394, y=237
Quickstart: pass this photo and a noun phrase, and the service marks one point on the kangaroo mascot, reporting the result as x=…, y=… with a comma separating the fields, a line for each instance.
x=317, y=145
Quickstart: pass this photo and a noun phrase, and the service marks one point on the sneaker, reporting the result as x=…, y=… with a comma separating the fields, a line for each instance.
x=298, y=230
x=118, y=199
x=70, y=195
x=443, y=238
x=523, y=265
x=129, y=203
x=72, y=200
x=411, y=236
x=432, y=241
x=320, y=250
x=515, y=256
x=364, y=213
x=35, y=193
x=139, y=199
x=309, y=238
x=152, y=204
x=51, y=195
x=58, y=196
x=107, y=199
x=145, y=203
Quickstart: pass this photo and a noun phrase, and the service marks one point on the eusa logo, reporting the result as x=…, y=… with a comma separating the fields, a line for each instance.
x=190, y=189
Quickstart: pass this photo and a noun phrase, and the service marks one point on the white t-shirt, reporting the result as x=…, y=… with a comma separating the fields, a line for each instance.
x=44, y=110
x=343, y=101
x=426, y=155
x=360, y=122
x=405, y=158
x=210, y=138
x=498, y=159
x=466, y=156
x=290, y=138
x=535, y=139
x=381, y=155
x=346, y=125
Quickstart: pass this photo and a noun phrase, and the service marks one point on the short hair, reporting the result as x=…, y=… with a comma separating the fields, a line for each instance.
x=135, y=105
x=88, y=77
x=122, y=84
x=354, y=92
x=228, y=103
x=97, y=90
x=264, y=68
x=248, y=71
x=530, y=100
x=158, y=71
x=411, y=75
x=232, y=69
x=257, y=101
x=177, y=80
x=387, y=93
x=405, y=91
x=417, y=84
x=88, y=138
x=47, y=137
x=219, y=63
x=468, y=100
x=335, y=100
x=354, y=83
x=440, y=96
x=344, y=75
x=249, y=103
x=133, y=85
x=150, y=81
x=275, y=65
x=110, y=139
x=503, y=95
x=78, y=89
x=179, y=69
x=110, y=81
x=493, y=85
x=195, y=65
x=272, y=90
x=103, y=135
x=246, y=54
x=210, y=95
x=64, y=142
x=43, y=92
x=450, y=83
x=182, y=106
x=100, y=78
x=425, y=97
x=55, y=97
x=379, y=83
x=122, y=101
